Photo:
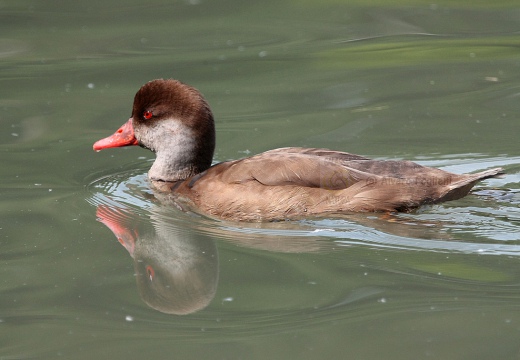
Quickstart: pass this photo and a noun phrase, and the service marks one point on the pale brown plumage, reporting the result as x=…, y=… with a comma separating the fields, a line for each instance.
x=297, y=182
x=173, y=120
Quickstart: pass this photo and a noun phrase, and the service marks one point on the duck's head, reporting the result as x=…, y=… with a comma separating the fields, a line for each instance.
x=174, y=121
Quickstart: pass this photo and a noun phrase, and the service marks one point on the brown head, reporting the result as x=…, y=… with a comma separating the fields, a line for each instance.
x=174, y=121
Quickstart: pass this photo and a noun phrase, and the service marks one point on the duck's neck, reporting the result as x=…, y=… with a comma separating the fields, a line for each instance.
x=172, y=167
x=182, y=153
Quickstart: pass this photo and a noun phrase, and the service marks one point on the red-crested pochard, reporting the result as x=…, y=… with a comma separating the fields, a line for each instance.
x=174, y=121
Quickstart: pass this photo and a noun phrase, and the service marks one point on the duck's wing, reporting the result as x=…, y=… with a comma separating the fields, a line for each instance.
x=277, y=168
x=401, y=169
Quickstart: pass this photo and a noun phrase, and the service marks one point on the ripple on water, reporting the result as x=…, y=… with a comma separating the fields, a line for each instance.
x=485, y=222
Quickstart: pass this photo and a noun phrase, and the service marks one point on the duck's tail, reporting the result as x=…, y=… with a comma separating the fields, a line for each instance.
x=462, y=187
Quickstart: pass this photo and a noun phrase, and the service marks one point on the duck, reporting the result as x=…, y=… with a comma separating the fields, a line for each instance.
x=173, y=120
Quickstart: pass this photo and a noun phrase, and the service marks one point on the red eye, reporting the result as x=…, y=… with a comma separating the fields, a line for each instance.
x=147, y=115
x=150, y=272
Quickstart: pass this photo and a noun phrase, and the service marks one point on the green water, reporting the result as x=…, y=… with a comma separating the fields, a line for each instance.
x=437, y=83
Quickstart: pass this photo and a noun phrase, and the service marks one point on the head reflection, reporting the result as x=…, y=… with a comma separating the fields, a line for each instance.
x=176, y=271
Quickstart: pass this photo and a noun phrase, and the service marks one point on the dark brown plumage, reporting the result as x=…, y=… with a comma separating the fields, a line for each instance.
x=277, y=184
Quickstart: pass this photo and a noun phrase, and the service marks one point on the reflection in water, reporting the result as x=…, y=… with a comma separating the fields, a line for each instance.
x=176, y=272
x=175, y=255
x=177, y=269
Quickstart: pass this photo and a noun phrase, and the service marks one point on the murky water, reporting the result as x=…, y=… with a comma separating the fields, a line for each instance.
x=92, y=266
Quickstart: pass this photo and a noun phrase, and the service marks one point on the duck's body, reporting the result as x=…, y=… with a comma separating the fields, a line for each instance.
x=174, y=121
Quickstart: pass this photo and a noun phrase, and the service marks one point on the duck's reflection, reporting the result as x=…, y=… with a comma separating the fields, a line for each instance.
x=176, y=273
x=177, y=268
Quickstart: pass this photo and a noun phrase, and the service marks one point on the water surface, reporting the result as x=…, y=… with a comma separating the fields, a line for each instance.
x=435, y=83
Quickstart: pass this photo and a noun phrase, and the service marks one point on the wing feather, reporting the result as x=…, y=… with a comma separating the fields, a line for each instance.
x=287, y=168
